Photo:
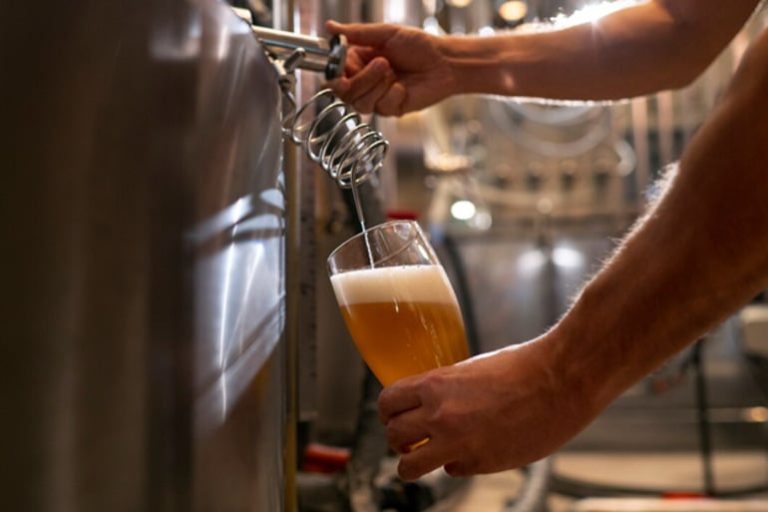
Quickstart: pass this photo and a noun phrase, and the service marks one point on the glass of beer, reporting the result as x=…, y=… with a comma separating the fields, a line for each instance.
x=397, y=301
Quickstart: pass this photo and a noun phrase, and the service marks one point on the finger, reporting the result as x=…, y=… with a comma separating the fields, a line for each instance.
x=459, y=469
x=366, y=34
x=357, y=58
x=372, y=74
x=406, y=430
x=419, y=462
x=340, y=86
x=396, y=399
x=392, y=102
x=367, y=102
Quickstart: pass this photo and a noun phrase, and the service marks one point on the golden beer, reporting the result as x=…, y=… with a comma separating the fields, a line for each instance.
x=404, y=320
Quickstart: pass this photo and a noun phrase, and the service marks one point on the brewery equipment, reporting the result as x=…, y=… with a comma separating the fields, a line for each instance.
x=143, y=224
x=331, y=132
x=145, y=221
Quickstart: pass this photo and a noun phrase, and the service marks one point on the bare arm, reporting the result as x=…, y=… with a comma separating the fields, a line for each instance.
x=643, y=48
x=700, y=253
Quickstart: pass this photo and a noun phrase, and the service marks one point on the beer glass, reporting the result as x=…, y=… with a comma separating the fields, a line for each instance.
x=397, y=301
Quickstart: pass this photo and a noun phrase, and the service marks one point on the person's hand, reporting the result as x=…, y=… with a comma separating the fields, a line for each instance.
x=489, y=413
x=392, y=69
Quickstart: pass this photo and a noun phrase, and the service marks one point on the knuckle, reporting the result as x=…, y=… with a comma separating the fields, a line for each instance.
x=371, y=74
x=384, y=106
x=458, y=469
x=379, y=62
x=385, y=395
x=361, y=107
x=382, y=109
x=388, y=111
x=453, y=469
x=394, y=432
x=342, y=95
x=354, y=91
x=432, y=384
x=442, y=419
x=433, y=387
x=408, y=470
x=447, y=419
x=393, y=442
x=466, y=466
x=384, y=407
x=365, y=106
x=437, y=416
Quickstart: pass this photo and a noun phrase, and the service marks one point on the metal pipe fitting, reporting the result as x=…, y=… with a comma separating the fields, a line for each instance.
x=323, y=55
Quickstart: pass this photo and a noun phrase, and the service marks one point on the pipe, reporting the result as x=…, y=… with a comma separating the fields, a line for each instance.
x=323, y=55
x=320, y=55
x=283, y=19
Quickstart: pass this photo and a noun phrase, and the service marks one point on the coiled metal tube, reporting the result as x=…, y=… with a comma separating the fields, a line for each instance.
x=336, y=137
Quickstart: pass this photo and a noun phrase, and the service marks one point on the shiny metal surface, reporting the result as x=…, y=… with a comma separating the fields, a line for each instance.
x=334, y=136
x=319, y=54
x=323, y=55
x=143, y=252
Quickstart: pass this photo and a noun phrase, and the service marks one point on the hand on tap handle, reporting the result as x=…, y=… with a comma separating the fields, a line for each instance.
x=391, y=69
x=639, y=49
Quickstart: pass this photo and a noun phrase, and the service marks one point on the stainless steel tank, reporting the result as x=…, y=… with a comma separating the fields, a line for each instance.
x=143, y=258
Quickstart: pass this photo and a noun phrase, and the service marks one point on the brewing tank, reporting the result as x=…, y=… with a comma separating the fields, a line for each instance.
x=143, y=259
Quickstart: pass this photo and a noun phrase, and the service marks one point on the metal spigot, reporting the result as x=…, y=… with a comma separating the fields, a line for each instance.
x=332, y=134
x=320, y=54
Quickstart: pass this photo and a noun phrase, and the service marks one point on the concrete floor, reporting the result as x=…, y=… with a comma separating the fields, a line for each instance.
x=672, y=471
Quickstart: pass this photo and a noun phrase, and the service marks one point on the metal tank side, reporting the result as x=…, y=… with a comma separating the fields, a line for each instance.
x=143, y=252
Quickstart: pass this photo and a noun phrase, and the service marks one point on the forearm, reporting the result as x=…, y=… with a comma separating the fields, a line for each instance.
x=700, y=253
x=636, y=50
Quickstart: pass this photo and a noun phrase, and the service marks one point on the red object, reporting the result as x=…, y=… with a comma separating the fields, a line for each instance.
x=402, y=215
x=320, y=458
x=682, y=495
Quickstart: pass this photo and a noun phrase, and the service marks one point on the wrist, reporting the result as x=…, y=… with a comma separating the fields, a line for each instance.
x=569, y=393
x=586, y=364
x=475, y=66
x=449, y=48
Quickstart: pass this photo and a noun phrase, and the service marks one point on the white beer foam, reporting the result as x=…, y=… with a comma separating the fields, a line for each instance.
x=414, y=283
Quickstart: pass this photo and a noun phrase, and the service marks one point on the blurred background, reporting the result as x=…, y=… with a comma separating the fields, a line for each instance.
x=174, y=342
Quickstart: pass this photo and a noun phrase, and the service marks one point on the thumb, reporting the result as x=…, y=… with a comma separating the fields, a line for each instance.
x=364, y=34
